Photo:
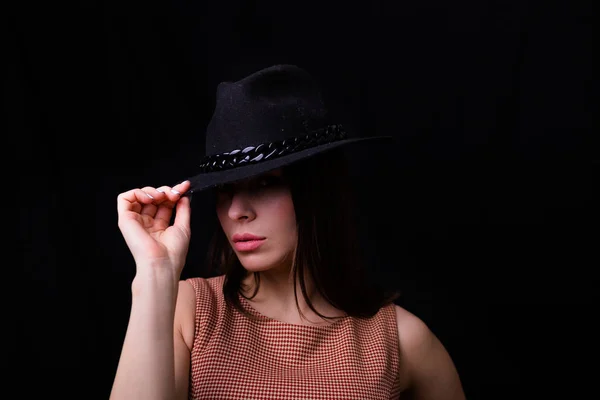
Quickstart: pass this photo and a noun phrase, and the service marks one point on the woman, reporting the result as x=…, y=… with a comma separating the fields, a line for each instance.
x=292, y=313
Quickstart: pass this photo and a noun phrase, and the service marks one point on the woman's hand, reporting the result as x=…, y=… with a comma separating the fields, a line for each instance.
x=144, y=218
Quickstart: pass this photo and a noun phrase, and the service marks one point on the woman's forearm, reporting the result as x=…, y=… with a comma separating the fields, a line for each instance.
x=146, y=365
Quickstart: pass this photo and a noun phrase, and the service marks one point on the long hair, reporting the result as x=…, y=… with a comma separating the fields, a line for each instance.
x=328, y=250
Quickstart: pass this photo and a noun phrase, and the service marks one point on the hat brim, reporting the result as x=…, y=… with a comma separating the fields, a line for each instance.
x=203, y=181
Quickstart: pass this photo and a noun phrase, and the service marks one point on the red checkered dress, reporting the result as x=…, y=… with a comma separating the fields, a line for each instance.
x=234, y=357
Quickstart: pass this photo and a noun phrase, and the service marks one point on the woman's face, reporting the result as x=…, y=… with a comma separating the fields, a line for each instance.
x=261, y=206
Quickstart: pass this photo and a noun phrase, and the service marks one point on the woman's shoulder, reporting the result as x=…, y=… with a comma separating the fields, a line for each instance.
x=409, y=324
x=413, y=332
x=426, y=363
x=212, y=283
x=208, y=293
x=197, y=299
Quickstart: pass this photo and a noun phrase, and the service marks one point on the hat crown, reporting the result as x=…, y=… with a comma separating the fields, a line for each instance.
x=276, y=103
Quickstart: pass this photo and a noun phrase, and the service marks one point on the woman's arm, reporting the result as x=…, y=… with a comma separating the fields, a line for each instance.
x=152, y=353
x=149, y=366
x=428, y=370
x=146, y=368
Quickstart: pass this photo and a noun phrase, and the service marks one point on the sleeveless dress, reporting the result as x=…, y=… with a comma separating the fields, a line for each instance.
x=235, y=357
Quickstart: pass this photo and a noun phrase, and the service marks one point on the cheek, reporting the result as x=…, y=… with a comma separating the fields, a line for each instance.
x=283, y=216
x=224, y=220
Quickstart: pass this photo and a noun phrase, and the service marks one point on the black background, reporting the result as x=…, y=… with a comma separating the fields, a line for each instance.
x=484, y=214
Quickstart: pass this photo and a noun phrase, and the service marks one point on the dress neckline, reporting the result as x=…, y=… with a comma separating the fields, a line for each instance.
x=248, y=307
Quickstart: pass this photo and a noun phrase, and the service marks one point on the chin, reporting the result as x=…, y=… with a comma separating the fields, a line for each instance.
x=257, y=263
x=253, y=269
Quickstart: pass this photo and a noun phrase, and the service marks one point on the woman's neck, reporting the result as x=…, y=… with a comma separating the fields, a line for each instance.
x=276, y=299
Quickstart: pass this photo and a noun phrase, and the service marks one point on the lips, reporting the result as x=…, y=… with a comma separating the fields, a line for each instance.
x=245, y=237
x=247, y=241
x=248, y=245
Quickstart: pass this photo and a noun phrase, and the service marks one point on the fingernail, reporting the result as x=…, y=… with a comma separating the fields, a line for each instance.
x=149, y=196
x=160, y=190
x=175, y=191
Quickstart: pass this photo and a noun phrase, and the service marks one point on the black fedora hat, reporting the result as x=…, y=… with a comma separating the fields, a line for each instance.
x=271, y=118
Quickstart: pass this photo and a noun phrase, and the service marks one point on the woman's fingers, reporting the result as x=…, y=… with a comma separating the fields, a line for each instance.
x=129, y=206
x=132, y=200
x=156, y=195
x=144, y=216
x=154, y=202
x=182, y=215
x=173, y=194
x=181, y=188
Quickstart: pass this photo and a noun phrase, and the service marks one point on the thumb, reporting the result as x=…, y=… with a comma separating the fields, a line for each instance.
x=183, y=211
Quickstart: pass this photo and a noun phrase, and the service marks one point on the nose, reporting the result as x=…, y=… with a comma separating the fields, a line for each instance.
x=240, y=207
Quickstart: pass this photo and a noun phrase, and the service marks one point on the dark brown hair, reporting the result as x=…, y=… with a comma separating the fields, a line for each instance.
x=327, y=248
